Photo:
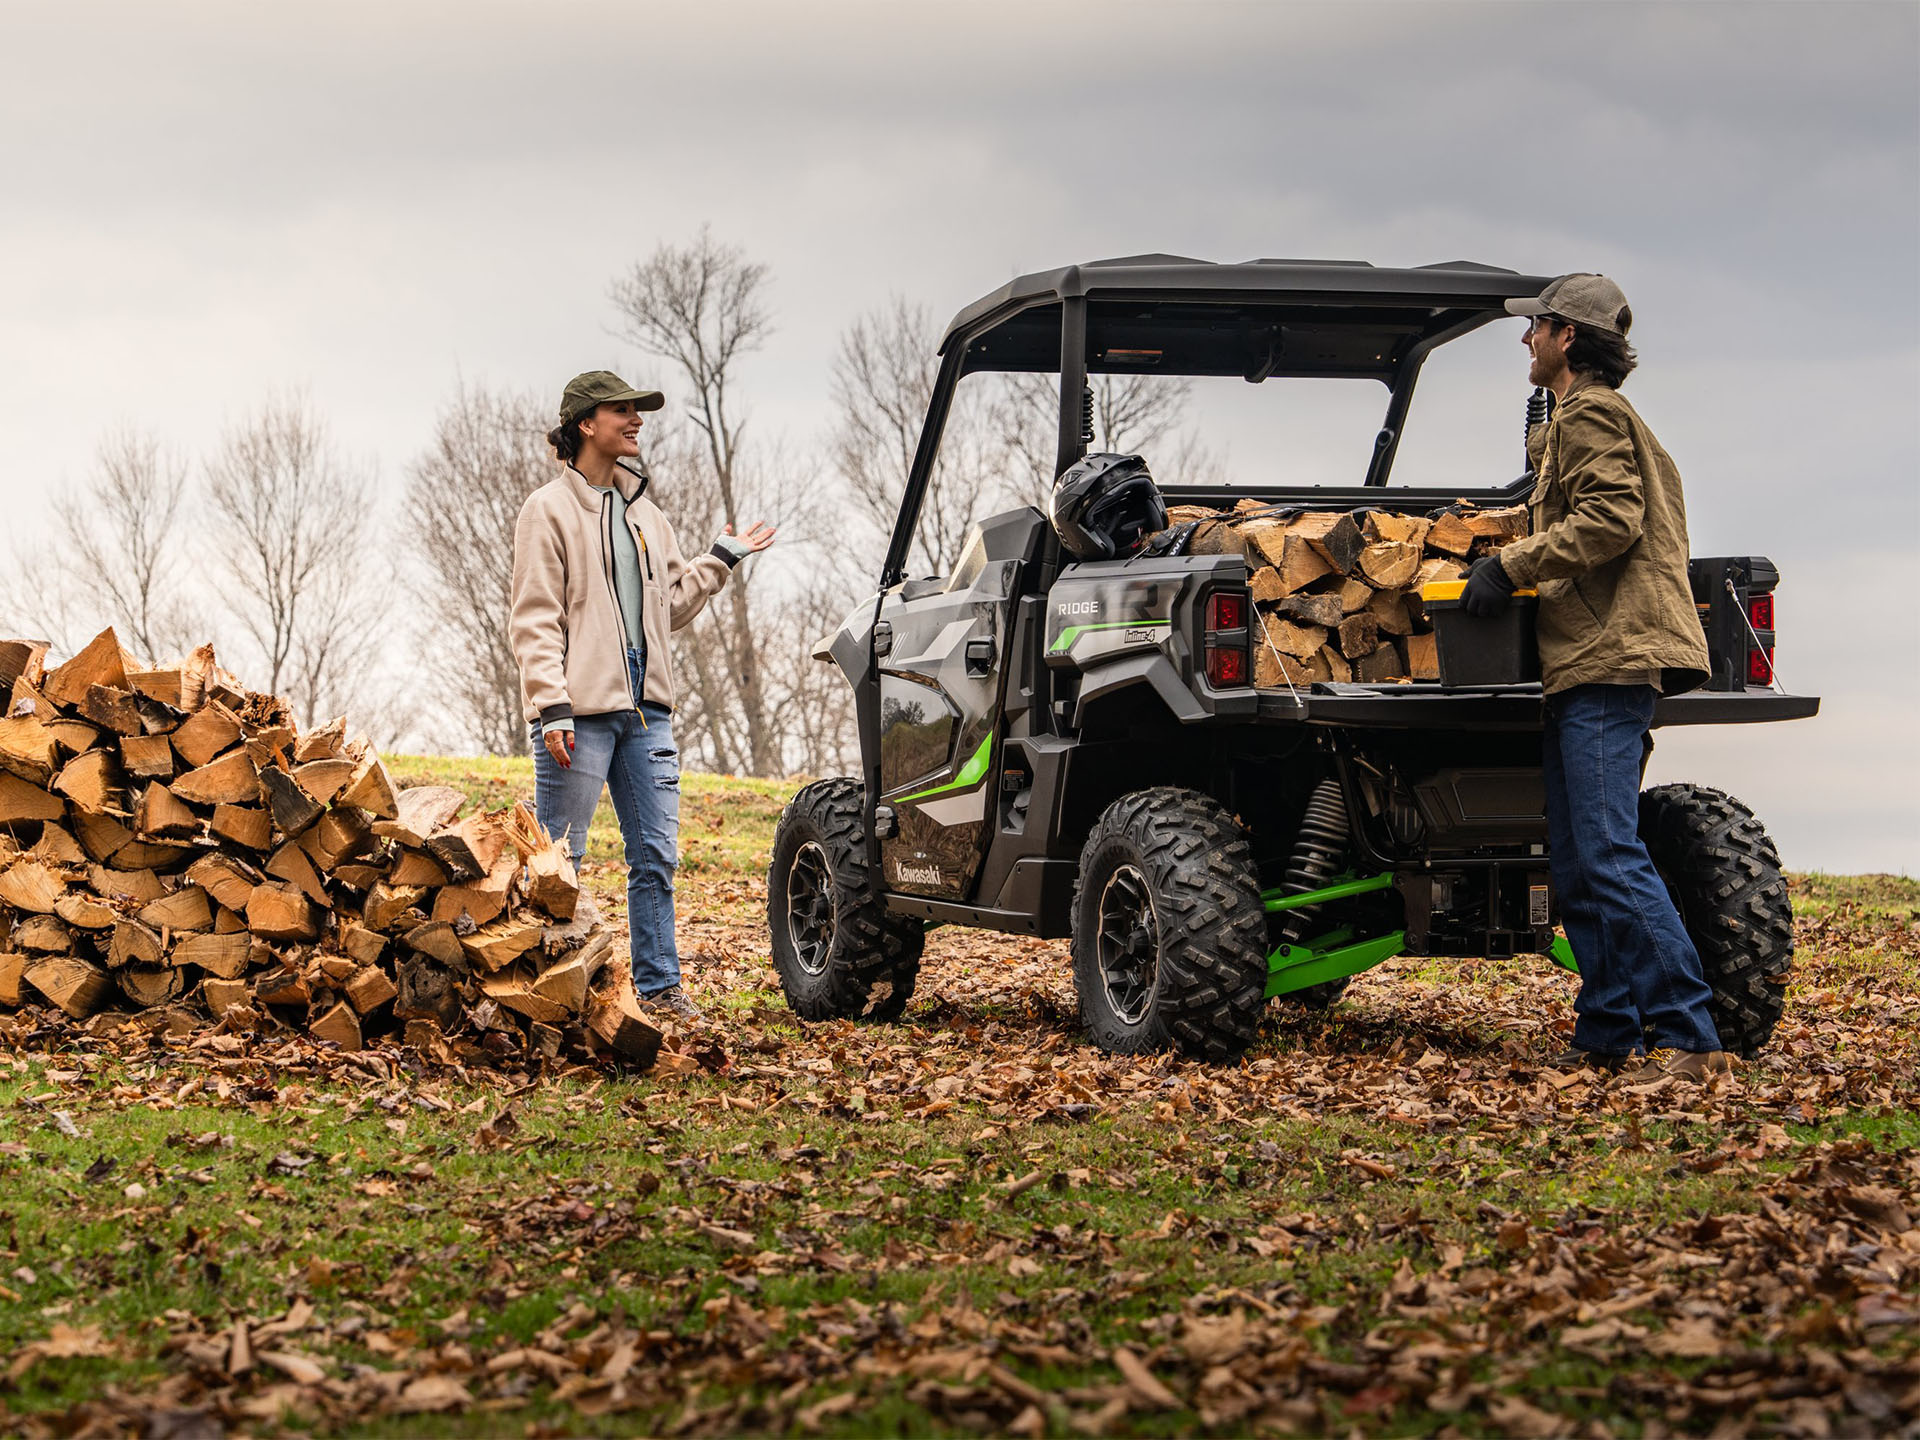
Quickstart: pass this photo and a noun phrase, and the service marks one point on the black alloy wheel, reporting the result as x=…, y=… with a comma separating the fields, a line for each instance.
x=1129, y=944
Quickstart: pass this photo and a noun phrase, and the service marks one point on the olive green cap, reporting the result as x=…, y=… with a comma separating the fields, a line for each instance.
x=603, y=387
x=1585, y=299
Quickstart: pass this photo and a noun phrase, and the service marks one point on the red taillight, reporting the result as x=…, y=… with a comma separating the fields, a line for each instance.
x=1227, y=610
x=1226, y=665
x=1760, y=666
x=1760, y=612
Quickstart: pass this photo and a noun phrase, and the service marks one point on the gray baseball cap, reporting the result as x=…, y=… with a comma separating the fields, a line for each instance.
x=1585, y=299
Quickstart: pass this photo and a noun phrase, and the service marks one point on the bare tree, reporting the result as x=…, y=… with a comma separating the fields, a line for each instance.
x=702, y=308
x=291, y=524
x=1132, y=414
x=464, y=492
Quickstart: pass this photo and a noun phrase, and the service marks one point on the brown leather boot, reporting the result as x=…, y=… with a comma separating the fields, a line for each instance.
x=1693, y=1066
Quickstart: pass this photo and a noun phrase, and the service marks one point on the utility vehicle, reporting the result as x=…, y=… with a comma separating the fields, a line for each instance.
x=1074, y=749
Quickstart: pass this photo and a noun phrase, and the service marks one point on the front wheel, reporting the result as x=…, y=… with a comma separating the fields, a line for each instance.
x=1168, y=929
x=1724, y=875
x=840, y=954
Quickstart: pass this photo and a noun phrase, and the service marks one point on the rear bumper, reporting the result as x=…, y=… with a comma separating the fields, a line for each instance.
x=1427, y=706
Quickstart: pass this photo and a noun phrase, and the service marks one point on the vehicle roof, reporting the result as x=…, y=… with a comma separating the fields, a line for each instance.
x=1449, y=284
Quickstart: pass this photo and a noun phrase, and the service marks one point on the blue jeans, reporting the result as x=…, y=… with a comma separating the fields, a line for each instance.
x=1639, y=973
x=632, y=754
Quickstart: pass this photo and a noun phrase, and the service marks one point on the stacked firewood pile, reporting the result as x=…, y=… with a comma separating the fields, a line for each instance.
x=1337, y=592
x=168, y=839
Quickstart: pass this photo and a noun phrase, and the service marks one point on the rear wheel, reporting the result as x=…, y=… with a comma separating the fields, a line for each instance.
x=1724, y=875
x=840, y=954
x=1168, y=929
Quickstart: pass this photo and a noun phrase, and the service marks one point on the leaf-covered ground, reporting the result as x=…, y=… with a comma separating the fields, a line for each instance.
x=1391, y=1220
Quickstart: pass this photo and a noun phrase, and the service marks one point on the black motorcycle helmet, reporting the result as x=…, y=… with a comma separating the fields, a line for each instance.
x=1104, y=507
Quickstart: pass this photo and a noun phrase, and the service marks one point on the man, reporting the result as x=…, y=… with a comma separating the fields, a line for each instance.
x=1617, y=629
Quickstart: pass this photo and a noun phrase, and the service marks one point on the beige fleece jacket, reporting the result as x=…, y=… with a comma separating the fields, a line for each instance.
x=568, y=637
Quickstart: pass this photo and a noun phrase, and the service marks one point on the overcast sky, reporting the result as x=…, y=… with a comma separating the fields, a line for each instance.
x=202, y=202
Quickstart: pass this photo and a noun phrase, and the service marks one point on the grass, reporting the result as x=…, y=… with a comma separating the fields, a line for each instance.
x=748, y=1227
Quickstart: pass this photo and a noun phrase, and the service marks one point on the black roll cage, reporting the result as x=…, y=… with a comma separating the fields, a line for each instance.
x=1263, y=307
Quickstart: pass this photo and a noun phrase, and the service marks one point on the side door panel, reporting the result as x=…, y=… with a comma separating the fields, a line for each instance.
x=940, y=685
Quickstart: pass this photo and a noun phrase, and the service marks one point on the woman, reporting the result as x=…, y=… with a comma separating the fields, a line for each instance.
x=598, y=583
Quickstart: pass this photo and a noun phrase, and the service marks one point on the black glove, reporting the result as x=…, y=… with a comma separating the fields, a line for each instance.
x=1489, y=588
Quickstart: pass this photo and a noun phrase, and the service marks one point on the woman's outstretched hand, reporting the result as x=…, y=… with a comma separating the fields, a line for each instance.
x=560, y=747
x=758, y=537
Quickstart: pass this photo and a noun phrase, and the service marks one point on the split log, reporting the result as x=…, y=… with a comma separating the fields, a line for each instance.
x=268, y=743
x=1359, y=635
x=101, y=836
x=370, y=788
x=1298, y=564
x=22, y=660
x=1389, y=611
x=1266, y=586
x=337, y=968
x=1273, y=671
x=616, y=1023
x=437, y=940
x=161, y=685
x=285, y=986
x=293, y=808
x=364, y=945
x=1338, y=670
x=20, y=801
x=100, y=663
x=165, y=856
x=1423, y=657
x=45, y=934
x=112, y=709
x=137, y=885
x=1289, y=638
x=483, y=899
x=223, y=955
x=229, y=780
x=150, y=985
x=468, y=850
x=245, y=825
x=1333, y=535
x=388, y=904
x=340, y=835
x=27, y=749
x=360, y=877
x=567, y=982
x=514, y=989
x=227, y=879
x=328, y=742
x=1501, y=525
x=77, y=986
x=29, y=885
x=552, y=883
x=229, y=922
x=1451, y=535
x=290, y=862
x=13, y=979
x=148, y=757
x=1382, y=665
x=277, y=911
x=323, y=779
x=84, y=911
x=73, y=737
x=1404, y=529
x=428, y=991
x=494, y=946
x=416, y=867
x=207, y=732
x=225, y=993
x=161, y=812
x=340, y=1025
x=1355, y=594
x=92, y=782
x=186, y=909
x=369, y=988
x=1313, y=608
x=134, y=944
x=56, y=847
x=418, y=812
x=1389, y=564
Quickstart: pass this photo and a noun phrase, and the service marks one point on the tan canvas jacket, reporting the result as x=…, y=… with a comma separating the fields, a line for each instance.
x=1608, y=552
x=568, y=638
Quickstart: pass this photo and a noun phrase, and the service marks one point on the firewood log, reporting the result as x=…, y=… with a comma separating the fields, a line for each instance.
x=370, y=788
x=498, y=944
x=292, y=808
x=92, y=783
x=387, y=904
x=134, y=944
x=84, y=911
x=1404, y=529
x=369, y=989
x=278, y=911
x=363, y=945
x=72, y=737
x=163, y=855
x=13, y=978
x=56, y=847
x=1359, y=635
x=229, y=880
x=1312, y=608
x=480, y=900
x=29, y=885
x=230, y=780
x=551, y=882
x=186, y=909
x=150, y=985
x=436, y=940
x=100, y=663
x=139, y=886
x=1355, y=594
x=246, y=825
x=162, y=813
x=20, y=801
x=567, y=981
x=416, y=867
x=206, y=733
x=328, y=742
x=225, y=993
x=112, y=709
x=1333, y=535
x=47, y=934
x=514, y=988
x=1423, y=657
x=1499, y=525
x=339, y=836
x=22, y=660
x=77, y=986
x=1383, y=664
x=1289, y=638
x=340, y=1025
x=27, y=749
x=148, y=757
x=468, y=850
x=161, y=685
x=1389, y=564
x=615, y=1021
x=1450, y=535
x=418, y=812
x=1389, y=611
x=222, y=955
x=290, y=862
x=323, y=779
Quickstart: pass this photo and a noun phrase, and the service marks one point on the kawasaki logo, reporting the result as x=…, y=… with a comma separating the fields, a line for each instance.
x=1077, y=607
x=917, y=874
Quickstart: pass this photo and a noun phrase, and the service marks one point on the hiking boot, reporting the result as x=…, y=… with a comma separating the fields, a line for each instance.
x=1693, y=1066
x=676, y=999
x=1574, y=1058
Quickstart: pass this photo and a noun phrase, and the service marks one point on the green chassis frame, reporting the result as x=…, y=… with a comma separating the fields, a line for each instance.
x=1336, y=954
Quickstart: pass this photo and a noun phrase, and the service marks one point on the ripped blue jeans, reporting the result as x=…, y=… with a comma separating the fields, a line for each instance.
x=631, y=753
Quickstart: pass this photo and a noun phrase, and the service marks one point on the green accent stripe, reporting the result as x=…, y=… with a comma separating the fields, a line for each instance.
x=1295, y=967
x=1074, y=632
x=1561, y=953
x=971, y=773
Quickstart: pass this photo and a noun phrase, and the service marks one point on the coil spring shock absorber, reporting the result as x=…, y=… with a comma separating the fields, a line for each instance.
x=1316, y=854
